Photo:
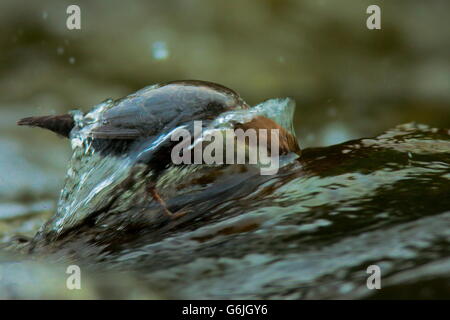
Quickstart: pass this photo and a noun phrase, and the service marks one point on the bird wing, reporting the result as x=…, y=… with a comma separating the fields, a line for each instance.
x=113, y=132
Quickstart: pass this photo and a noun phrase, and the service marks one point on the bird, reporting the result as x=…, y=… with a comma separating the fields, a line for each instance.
x=145, y=114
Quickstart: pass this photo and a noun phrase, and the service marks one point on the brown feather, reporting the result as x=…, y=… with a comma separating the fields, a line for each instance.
x=287, y=142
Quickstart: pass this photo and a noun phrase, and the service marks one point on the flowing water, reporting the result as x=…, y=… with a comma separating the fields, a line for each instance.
x=310, y=231
x=94, y=181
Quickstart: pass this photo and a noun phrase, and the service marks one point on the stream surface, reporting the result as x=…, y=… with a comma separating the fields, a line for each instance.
x=310, y=231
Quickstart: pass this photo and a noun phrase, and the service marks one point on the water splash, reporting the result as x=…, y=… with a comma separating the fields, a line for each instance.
x=95, y=182
x=280, y=110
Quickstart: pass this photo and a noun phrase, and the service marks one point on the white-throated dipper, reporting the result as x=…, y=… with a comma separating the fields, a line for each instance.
x=156, y=109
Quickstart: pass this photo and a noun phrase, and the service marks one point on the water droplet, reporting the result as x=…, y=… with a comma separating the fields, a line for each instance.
x=160, y=50
x=44, y=15
x=60, y=50
x=72, y=60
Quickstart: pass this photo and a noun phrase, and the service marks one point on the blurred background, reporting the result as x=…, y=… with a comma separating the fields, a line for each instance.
x=349, y=82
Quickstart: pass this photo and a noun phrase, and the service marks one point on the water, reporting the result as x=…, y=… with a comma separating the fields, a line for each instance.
x=311, y=231
x=94, y=181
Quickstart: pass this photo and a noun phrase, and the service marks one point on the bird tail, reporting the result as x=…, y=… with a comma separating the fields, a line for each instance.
x=61, y=124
